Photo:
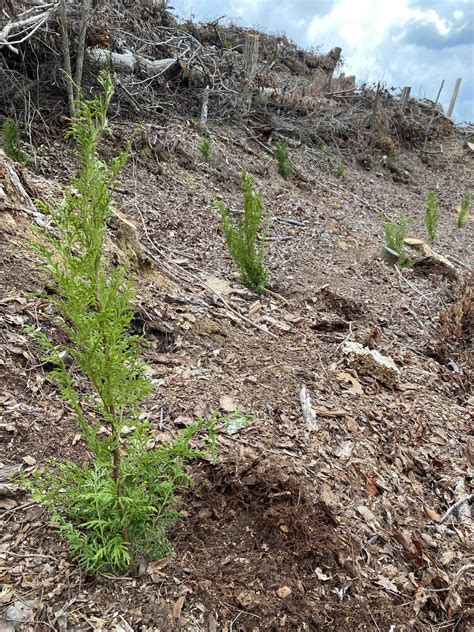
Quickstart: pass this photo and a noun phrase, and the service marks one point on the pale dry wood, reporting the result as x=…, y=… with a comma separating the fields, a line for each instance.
x=67, y=58
x=308, y=413
x=81, y=45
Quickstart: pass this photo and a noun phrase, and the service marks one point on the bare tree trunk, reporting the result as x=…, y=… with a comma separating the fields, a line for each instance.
x=81, y=46
x=67, y=59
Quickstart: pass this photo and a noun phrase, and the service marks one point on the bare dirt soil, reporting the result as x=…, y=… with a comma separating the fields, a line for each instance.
x=337, y=528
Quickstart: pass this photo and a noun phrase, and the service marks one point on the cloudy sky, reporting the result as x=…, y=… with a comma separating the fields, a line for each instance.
x=403, y=42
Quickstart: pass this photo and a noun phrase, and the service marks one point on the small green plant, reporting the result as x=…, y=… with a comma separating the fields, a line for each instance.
x=241, y=237
x=341, y=170
x=12, y=143
x=119, y=503
x=283, y=162
x=431, y=216
x=395, y=234
x=205, y=148
x=464, y=210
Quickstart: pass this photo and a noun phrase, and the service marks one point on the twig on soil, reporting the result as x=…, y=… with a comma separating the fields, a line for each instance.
x=278, y=296
x=38, y=555
x=355, y=196
x=202, y=283
x=409, y=283
x=290, y=222
x=347, y=337
x=457, y=504
x=412, y=313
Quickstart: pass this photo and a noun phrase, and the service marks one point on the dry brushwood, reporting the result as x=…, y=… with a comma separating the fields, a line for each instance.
x=169, y=69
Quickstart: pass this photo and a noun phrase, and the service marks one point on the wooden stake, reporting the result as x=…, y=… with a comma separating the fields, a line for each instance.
x=81, y=46
x=405, y=96
x=454, y=97
x=374, y=109
x=251, y=44
x=335, y=56
x=205, y=106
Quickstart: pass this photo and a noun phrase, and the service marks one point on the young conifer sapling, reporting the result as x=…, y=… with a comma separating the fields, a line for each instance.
x=118, y=503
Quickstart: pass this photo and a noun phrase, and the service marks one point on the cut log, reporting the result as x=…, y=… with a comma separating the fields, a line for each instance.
x=129, y=63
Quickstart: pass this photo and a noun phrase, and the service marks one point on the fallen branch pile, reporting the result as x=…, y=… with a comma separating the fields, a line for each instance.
x=166, y=69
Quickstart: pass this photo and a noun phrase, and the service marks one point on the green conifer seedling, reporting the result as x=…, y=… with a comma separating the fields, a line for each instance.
x=12, y=143
x=395, y=234
x=464, y=210
x=119, y=503
x=283, y=162
x=431, y=216
x=241, y=236
x=205, y=148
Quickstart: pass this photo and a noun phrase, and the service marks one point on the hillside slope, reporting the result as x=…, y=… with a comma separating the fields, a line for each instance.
x=339, y=527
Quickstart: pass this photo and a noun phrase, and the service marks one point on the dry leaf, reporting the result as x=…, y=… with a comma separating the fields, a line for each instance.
x=227, y=404
x=432, y=514
x=387, y=584
x=328, y=497
x=370, y=486
x=7, y=503
x=178, y=606
x=351, y=424
x=29, y=460
x=283, y=592
x=356, y=386
x=344, y=451
x=6, y=596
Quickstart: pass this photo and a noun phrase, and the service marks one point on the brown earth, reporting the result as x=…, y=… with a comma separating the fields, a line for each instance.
x=290, y=529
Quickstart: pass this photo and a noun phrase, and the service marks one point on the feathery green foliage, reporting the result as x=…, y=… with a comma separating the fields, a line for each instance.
x=395, y=234
x=12, y=143
x=205, y=148
x=464, y=210
x=241, y=237
x=283, y=162
x=340, y=172
x=431, y=216
x=120, y=504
